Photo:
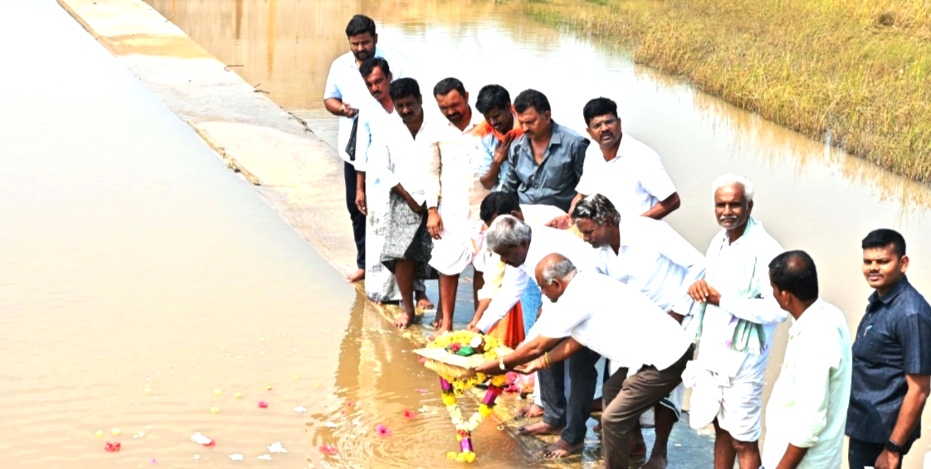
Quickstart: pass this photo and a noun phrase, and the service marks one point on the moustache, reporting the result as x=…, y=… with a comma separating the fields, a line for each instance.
x=728, y=218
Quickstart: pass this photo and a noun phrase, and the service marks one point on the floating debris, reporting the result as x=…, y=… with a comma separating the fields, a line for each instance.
x=382, y=430
x=112, y=447
x=99, y=433
x=263, y=405
x=236, y=457
x=300, y=409
x=116, y=431
x=276, y=447
x=214, y=409
x=200, y=439
x=217, y=392
x=265, y=457
x=329, y=450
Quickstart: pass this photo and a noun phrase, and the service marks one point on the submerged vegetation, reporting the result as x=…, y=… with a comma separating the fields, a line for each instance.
x=857, y=71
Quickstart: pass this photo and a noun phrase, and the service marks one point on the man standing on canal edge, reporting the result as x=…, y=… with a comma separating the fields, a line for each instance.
x=546, y=161
x=343, y=96
x=735, y=317
x=808, y=407
x=891, y=359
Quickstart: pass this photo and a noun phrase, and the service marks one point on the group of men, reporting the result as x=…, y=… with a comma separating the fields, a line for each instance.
x=566, y=237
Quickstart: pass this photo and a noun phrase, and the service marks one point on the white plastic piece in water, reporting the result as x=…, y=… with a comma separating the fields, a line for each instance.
x=265, y=457
x=196, y=457
x=331, y=425
x=276, y=448
x=200, y=439
x=300, y=409
x=236, y=457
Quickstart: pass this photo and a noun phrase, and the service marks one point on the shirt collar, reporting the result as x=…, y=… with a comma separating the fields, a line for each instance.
x=806, y=317
x=891, y=294
x=748, y=232
x=555, y=138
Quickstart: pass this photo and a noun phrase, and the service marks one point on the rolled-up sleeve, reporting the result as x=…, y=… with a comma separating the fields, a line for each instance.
x=331, y=90
x=512, y=289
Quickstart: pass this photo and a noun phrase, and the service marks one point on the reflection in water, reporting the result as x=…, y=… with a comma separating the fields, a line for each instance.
x=808, y=198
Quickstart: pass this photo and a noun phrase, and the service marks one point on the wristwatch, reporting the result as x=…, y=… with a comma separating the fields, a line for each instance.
x=893, y=447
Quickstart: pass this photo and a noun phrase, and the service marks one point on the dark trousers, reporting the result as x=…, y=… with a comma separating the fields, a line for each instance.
x=626, y=398
x=358, y=219
x=862, y=454
x=583, y=378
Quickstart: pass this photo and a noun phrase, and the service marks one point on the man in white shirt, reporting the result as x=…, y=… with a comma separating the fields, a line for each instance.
x=735, y=317
x=613, y=319
x=453, y=196
x=650, y=256
x=623, y=169
x=522, y=248
x=343, y=96
x=807, y=410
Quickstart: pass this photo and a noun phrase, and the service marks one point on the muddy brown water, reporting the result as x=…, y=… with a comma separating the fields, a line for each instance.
x=138, y=275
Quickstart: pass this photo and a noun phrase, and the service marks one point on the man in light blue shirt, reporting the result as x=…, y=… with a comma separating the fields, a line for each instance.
x=496, y=135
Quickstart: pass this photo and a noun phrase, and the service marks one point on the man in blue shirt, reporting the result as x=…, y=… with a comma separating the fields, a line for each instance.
x=546, y=161
x=891, y=365
x=497, y=133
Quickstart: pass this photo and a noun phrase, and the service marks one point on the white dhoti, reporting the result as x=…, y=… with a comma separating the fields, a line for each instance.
x=460, y=243
x=737, y=403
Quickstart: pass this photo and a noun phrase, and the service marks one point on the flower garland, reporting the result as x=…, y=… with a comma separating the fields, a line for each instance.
x=468, y=343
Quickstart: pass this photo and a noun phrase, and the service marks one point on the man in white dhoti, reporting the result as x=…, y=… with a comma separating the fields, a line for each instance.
x=650, y=256
x=735, y=317
x=453, y=195
x=592, y=310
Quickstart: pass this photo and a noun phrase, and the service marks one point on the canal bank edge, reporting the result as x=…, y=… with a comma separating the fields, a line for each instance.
x=292, y=169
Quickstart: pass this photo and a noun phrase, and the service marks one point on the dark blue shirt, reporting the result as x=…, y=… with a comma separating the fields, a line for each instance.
x=893, y=339
x=553, y=181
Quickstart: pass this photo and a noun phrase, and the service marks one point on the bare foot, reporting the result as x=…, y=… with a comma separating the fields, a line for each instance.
x=404, y=320
x=423, y=302
x=561, y=449
x=359, y=274
x=540, y=428
x=530, y=411
x=597, y=405
x=656, y=462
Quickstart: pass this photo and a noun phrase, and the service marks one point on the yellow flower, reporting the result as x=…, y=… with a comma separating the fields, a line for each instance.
x=449, y=399
x=485, y=410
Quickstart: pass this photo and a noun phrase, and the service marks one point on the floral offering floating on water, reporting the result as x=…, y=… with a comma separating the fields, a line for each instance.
x=263, y=405
x=112, y=447
x=382, y=430
x=329, y=450
x=453, y=356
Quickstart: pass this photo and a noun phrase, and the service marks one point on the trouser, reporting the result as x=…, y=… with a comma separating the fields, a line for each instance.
x=862, y=454
x=626, y=398
x=358, y=219
x=583, y=378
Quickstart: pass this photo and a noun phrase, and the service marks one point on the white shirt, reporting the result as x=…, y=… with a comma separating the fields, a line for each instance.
x=634, y=181
x=616, y=321
x=534, y=215
x=750, y=255
x=396, y=157
x=451, y=176
x=654, y=259
x=808, y=406
x=346, y=84
x=544, y=241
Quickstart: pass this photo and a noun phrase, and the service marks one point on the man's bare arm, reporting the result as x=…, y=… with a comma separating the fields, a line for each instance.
x=664, y=207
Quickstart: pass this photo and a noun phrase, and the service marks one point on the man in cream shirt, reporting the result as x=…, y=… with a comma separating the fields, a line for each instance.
x=807, y=410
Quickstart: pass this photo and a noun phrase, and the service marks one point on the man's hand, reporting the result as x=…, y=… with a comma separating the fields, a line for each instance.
x=471, y=328
x=530, y=368
x=562, y=222
x=701, y=291
x=501, y=153
x=360, y=201
x=347, y=111
x=888, y=460
x=434, y=223
x=678, y=317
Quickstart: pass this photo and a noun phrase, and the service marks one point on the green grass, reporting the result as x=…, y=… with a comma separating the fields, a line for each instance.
x=857, y=69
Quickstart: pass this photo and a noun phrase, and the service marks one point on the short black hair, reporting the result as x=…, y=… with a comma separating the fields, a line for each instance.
x=498, y=203
x=447, y=85
x=360, y=24
x=794, y=272
x=404, y=87
x=883, y=237
x=371, y=63
x=531, y=98
x=492, y=96
x=598, y=107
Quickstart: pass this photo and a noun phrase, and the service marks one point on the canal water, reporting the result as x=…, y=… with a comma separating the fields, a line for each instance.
x=150, y=294
x=809, y=196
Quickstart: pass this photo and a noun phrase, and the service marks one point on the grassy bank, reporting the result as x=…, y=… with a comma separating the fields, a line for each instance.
x=859, y=70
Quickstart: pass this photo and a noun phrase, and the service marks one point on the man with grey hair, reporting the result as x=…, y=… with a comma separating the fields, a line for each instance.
x=650, y=256
x=589, y=309
x=521, y=248
x=735, y=317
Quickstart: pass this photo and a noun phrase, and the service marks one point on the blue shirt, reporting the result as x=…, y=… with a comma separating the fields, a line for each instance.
x=488, y=144
x=893, y=339
x=553, y=181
